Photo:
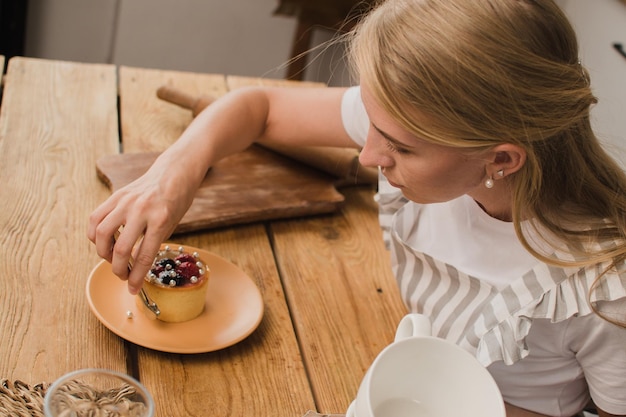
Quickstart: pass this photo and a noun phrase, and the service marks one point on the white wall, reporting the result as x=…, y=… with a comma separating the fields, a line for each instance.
x=240, y=37
x=599, y=24
x=76, y=30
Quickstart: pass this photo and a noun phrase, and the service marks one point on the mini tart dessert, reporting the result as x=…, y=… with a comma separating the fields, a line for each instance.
x=177, y=283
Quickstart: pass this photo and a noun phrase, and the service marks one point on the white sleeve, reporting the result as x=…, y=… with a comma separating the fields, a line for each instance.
x=567, y=362
x=354, y=116
x=602, y=356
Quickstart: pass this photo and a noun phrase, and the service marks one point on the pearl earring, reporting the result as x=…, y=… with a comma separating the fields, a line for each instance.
x=489, y=182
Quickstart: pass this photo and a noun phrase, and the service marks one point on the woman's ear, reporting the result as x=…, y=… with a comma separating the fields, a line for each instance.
x=506, y=159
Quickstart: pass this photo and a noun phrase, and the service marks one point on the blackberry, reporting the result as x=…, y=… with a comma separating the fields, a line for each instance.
x=163, y=263
x=175, y=281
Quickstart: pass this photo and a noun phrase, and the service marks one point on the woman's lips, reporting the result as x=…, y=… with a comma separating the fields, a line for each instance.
x=393, y=184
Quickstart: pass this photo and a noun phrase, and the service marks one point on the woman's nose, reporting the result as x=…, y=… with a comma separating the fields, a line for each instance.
x=375, y=153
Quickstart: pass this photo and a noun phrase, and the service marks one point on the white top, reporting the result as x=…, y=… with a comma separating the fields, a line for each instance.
x=530, y=323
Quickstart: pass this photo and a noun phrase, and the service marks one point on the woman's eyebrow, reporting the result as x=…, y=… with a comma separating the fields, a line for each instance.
x=390, y=138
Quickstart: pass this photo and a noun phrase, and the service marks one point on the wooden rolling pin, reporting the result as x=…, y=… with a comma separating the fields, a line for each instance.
x=184, y=100
x=342, y=163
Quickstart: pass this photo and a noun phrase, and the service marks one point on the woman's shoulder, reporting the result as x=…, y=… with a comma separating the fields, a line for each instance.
x=353, y=114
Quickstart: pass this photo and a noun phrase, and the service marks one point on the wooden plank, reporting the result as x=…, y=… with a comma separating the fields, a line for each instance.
x=271, y=187
x=262, y=375
x=150, y=124
x=57, y=118
x=342, y=294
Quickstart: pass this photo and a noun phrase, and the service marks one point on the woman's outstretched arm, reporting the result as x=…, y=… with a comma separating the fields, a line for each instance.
x=150, y=207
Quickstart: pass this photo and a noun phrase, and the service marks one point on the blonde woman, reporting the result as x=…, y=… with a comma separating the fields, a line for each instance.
x=504, y=216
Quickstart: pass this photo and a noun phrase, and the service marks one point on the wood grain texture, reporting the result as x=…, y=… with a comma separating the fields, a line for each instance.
x=342, y=294
x=250, y=186
x=150, y=124
x=310, y=352
x=57, y=118
x=264, y=374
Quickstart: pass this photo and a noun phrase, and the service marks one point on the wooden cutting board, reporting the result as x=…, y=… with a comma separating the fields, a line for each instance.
x=253, y=185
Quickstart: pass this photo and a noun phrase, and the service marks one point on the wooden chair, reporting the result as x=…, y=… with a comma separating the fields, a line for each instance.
x=335, y=15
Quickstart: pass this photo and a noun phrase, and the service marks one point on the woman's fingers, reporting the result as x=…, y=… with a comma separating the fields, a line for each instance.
x=145, y=212
x=146, y=250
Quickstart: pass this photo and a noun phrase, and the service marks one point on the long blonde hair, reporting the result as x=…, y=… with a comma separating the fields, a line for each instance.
x=486, y=72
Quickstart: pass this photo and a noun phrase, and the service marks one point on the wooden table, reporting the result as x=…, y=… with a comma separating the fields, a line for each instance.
x=331, y=303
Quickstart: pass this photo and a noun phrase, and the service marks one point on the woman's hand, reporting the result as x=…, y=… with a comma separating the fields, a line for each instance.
x=150, y=207
x=149, y=210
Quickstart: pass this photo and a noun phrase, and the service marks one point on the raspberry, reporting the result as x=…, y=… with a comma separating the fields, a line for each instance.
x=185, y=257
x=157, y=269
x=188, y=270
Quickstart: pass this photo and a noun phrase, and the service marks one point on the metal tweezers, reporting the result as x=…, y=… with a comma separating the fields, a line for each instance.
x=152, y=306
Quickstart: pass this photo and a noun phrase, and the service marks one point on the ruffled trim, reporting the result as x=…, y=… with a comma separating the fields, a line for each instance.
x=490, y=324
x=390, y=200
x=541, y=294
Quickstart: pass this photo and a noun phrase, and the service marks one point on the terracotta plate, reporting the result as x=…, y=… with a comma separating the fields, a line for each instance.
x=233, y=310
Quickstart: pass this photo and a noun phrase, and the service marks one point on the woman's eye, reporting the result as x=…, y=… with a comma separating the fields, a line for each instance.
x=394, y=148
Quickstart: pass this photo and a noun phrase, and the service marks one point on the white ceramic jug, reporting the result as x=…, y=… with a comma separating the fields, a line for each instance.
x=420, y=375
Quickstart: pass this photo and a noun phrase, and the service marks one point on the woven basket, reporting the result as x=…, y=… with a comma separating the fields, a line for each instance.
x=18, y=399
